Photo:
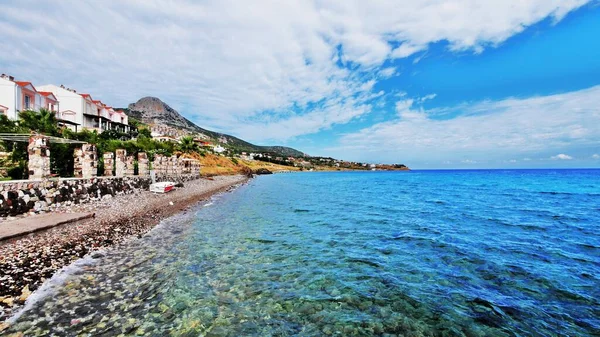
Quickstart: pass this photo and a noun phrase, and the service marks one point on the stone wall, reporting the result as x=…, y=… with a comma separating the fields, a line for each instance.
x=169, y=168
x=24, y=196
x=18, y=197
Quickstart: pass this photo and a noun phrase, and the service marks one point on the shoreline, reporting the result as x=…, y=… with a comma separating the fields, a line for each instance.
x=27, y=261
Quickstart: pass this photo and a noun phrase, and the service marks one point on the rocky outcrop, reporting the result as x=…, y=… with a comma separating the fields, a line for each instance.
x=154, y=111
x=262, y=171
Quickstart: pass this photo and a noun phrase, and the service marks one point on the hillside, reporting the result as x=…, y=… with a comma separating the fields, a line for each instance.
x=151, y=110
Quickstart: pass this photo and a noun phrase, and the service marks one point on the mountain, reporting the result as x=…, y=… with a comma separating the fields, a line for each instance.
x=151, y=110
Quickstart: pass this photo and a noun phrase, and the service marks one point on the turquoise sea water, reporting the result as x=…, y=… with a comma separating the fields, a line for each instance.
x=421, y=253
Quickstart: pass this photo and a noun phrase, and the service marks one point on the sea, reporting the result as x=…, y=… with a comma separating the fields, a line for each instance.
x=418, y=253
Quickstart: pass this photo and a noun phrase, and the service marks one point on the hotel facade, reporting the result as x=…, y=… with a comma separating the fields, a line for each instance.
x=73, y=110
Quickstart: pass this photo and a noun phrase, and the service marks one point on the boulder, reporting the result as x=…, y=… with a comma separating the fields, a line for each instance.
x=262, y=171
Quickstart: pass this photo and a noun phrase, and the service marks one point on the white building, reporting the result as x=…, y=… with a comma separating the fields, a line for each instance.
x=72, y=105
x=218, y=149
x=82, y=111
x=17, y=96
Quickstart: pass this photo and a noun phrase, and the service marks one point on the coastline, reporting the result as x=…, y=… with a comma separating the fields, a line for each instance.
x=27, y=261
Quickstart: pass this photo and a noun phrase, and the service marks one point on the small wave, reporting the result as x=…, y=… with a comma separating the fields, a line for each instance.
x=587, y=245
x=439, y=202
x=573, y=296
x=519, y=225
x=364, y=261
x=266, y=241
x=556, y=193
x=298, y=210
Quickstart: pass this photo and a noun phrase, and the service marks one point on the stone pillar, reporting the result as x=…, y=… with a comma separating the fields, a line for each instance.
x=162, y=165
x=143, y=164
x=109, y=164
x=88, y=161
x=196, y=170
x=120, y=165
x=167, y=165
x=179, y=166
x=129, y=166
x=157, y=165
x=39, y=157
x=171, y=163
x=78, y=163
x=184, y=165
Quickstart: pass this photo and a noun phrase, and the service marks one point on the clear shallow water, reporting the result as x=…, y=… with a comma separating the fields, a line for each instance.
x=423, y=253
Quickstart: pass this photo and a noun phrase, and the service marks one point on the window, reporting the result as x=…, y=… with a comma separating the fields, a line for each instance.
x=27, y=102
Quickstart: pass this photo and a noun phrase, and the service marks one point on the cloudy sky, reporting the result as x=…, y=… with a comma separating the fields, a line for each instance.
x=432, y=84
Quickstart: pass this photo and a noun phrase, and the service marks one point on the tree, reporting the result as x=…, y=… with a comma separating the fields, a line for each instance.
x=43, y=121
x=144, y=132
x=6, y=125
x=187, y=145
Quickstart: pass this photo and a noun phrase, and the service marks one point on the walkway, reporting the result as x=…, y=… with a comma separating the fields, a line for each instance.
x=14, y=228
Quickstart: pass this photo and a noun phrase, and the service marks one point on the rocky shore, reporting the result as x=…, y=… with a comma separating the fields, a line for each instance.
x=27, y=261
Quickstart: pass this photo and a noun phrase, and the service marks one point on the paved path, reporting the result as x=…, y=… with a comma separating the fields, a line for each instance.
x=13, y=228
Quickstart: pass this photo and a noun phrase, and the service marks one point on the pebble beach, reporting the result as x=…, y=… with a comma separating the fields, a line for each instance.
x=27, y=261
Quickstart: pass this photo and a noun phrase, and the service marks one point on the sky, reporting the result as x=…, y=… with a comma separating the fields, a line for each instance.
x=430, y=84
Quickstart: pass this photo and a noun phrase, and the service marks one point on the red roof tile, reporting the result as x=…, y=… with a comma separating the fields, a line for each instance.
x=24, y=84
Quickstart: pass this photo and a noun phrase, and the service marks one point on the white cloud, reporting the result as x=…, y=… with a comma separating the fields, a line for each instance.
x=427, y=97
x=406, y=50
x=596, y=156
x=485, y=129
x=468, y=161
x=388, y=72
x=246, y=67
x=561, y=156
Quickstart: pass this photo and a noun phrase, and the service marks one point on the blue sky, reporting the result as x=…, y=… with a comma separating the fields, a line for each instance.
x=442, y=84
